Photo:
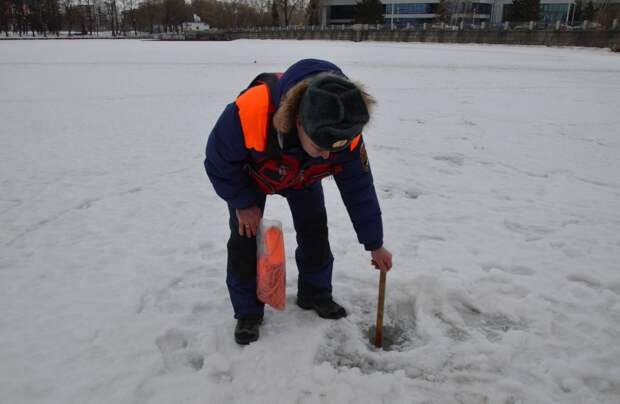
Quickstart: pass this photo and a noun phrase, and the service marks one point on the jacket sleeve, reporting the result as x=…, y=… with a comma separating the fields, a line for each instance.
x=360, y=198
x=226, y=156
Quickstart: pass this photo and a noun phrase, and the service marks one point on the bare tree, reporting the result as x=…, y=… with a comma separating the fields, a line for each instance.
x=606, y=13
x=285, y=11
x=101, y=15
x=275, y=14
x=444, y=9
x=112, y=11
x=132, y=16
x=206, y=10
x=90, y=15
x=35, y=17
x=175, y=12
x=83, y=11
x=313, y=13
x=147, y=15
x=69, y=14
x=122, y=17
x=5, y=16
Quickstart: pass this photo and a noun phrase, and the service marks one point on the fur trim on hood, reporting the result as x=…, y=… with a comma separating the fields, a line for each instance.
x=284, y=120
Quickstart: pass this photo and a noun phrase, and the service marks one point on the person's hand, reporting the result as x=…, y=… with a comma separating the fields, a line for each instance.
x=249, y=220
x=382, y=259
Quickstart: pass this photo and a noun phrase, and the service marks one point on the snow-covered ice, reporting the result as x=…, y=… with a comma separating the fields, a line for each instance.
x=498, y=174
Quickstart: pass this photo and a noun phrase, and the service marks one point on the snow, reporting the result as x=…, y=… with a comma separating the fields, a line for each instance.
x=498, y=175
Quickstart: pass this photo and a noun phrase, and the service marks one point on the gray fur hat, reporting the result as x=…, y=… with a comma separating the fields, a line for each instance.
x=333, y=111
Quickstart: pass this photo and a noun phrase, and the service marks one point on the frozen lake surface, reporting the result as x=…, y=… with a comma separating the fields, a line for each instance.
x=497, y=170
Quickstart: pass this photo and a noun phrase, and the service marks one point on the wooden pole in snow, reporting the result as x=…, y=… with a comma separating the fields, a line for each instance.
x=379, y=328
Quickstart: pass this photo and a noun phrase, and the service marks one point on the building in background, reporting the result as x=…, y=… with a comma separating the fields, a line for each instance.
x=403, y=12
x=550, y=10
x=196, y=25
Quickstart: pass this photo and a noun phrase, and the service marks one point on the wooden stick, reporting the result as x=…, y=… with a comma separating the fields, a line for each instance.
x=379, y=328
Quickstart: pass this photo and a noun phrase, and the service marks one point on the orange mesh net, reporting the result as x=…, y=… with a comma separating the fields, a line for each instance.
x=271, y=270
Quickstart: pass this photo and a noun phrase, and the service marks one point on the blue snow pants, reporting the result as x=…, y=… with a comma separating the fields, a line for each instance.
x=313, y=254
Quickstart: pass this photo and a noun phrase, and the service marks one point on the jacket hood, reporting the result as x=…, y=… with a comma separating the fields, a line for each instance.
x=301, y=70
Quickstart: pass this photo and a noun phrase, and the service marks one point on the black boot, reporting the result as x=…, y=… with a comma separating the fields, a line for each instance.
x=325, y=307
x=246, y=330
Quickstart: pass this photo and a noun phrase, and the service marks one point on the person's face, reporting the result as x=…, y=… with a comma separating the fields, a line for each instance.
x=308, y=145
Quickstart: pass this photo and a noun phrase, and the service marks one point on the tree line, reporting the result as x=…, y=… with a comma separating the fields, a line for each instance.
x=124, y=17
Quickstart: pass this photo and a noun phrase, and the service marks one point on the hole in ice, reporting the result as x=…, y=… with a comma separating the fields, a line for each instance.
x=393, y=337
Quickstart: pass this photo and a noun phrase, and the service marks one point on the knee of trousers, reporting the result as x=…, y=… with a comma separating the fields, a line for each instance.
x=241, y=257
x=313, y=241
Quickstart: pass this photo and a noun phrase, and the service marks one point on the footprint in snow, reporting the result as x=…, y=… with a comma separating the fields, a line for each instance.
x=412, y=193
x=387, y=192
x=491, y=325
x=530, y=232
x=585, y=280
x=175, y=350
x=453, y=159
x=521, y=270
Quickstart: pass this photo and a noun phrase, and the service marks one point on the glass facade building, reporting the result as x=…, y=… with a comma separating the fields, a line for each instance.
x=554, y=12
x=400, y=14
x=411, y=8
x=341, y=13
x=549, y=12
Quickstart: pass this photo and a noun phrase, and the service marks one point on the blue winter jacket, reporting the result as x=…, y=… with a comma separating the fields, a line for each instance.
x=227, y=157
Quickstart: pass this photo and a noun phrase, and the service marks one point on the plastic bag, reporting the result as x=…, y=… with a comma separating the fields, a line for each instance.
x=271, y=264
